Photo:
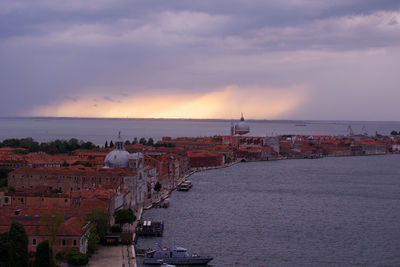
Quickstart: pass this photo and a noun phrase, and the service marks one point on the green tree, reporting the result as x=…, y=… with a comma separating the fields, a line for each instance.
x=100, y=221
x=77, y=259
x=18, y=245
x=73, y=144
x=52, y=224
x=93, y=242
x=134, y=141
x=394, y=133
x=127, y=142
x=150, y=142
x=4, y=250
x=106, y=145
x=123, y=216
x=143, y=141
x=111, y=144
x=44, y=255
x=87, y=145
x=157, y=187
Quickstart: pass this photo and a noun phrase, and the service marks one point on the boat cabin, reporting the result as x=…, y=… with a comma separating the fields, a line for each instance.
x=177, y=252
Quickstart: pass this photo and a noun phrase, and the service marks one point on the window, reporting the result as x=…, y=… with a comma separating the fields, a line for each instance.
x=74, y=242
x=64, y=242
x=6, y=200
x=34, y=241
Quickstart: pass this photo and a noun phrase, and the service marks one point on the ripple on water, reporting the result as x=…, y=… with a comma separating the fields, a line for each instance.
x=325, y=212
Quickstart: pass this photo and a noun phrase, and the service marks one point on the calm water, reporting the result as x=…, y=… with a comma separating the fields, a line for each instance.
x=323, y=212
x=100, y=130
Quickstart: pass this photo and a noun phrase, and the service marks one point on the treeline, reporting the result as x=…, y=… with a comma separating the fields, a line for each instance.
x=142, y=141
x=395, y=133
x=52, y=147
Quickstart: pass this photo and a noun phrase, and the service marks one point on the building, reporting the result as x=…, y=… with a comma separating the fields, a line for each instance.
x=240, y=128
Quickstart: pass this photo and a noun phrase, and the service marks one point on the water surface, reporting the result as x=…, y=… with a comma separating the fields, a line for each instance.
x=323, y=212
x=100, y=130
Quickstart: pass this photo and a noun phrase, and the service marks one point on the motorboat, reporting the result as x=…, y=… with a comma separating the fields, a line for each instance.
x=175, y=255
x=185, y=186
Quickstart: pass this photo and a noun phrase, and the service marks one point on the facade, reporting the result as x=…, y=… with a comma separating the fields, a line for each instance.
x=204, y=158
x=67, y=179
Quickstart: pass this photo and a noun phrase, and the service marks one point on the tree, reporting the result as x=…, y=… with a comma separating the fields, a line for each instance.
x=127, y=142
x=150, y=142
x=44, y=255
x=157, y=187
x=111, y=144
x=143, y=141
x=78, y=259
x=134, y=141
x=18, y=245
x=123, y=216
x=394, y=133
x=99, y=219
x=11, y=189
x=106, y=145
x=87, y=145
x=93, y=242
x=73, y=144
x=52, y=224
x=4, y=250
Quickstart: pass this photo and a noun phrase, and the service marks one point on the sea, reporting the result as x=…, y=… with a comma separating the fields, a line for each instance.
x=342, y=211
x=98, y=131
x=338, y=211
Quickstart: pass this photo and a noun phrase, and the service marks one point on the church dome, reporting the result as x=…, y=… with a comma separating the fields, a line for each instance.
x=119, y=157
x=242, y=127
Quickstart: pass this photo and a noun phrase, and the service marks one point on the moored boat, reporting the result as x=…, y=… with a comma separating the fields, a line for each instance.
x=185, y=186
x=176, y=256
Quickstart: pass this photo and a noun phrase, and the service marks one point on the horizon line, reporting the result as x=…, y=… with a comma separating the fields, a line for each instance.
x=191, y=119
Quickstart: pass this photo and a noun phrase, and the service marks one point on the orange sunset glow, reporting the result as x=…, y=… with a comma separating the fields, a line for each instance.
x=257, y=103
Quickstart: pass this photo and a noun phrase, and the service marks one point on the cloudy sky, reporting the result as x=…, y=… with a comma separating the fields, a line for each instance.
x=271, y=59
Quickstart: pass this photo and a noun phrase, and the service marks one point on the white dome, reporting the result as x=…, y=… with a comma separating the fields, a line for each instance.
x=117, y=158
x=242, y=126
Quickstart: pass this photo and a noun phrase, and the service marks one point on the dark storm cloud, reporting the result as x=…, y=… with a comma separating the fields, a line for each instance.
x=50, y=49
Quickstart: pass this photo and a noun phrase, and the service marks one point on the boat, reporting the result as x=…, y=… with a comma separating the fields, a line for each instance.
x=150, y=228
x=175, y=255
x=185, y=186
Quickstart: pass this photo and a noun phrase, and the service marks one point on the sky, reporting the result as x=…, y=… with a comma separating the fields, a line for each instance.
x=276, y=59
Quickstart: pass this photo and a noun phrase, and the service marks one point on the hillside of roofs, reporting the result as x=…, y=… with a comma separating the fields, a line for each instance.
x=74, y=177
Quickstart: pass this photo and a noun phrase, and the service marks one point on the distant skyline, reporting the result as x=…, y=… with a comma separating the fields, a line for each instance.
x=274, y=60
